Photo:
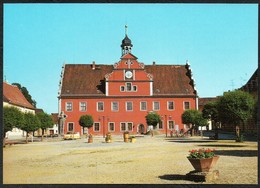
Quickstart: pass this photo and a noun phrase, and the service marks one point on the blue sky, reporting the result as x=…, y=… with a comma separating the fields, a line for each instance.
x=219, y=40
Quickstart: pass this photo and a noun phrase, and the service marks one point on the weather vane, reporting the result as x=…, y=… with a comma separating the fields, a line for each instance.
x=125, y=29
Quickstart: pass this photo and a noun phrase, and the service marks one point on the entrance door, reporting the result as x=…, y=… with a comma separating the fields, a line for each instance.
x=141, y=129
x=51, y=132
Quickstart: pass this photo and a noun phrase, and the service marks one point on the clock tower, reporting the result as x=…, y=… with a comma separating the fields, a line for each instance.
x=126, y=44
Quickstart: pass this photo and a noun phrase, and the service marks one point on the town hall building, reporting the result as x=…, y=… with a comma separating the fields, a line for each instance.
x=120, y=95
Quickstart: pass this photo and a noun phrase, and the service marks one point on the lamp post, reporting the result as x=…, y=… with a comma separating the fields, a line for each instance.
x=166, y=125
x=103, y=126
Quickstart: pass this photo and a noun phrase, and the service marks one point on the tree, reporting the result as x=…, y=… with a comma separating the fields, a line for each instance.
x=210, y=112
x=153, y=119
x=86, y=121
x=12, y=117
x=45, y=121
x=236, y=107
x=32, y=123
x=194, y=118
x=26, y=94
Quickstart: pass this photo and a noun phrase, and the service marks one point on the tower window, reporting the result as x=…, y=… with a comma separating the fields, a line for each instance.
x=128, y=86
x=122, y=88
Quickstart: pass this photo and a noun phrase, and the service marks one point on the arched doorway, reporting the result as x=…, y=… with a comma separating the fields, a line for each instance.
x=141, y=129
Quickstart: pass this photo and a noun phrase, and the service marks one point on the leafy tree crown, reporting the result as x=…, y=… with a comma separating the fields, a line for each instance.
x=153, y=119
x=86, y=121
x=235, y=107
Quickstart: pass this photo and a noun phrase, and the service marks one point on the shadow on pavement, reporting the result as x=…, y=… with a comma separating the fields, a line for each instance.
x=190, y=141
x=176, y=177
x=237, y=153
x=223, y=145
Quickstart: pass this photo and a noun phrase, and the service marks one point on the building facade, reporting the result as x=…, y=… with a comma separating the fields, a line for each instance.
x=119, y=96
x=12, y=96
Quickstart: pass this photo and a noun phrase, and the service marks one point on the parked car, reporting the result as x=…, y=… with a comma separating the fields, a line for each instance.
x=71, y=136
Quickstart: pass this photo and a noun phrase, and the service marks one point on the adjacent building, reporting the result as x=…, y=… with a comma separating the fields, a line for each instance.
x=12, y=96
x=120, y=95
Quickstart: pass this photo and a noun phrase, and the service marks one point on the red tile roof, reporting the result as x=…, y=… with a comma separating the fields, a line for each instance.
x=14, y=96
x=82, y=80
x=54, y=117
x=203, y=101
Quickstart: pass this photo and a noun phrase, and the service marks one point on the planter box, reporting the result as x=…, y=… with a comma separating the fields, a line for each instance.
x=203, y=165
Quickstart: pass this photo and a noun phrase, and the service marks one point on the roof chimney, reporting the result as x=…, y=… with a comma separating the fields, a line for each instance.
x=93, y=65
x=153, y=62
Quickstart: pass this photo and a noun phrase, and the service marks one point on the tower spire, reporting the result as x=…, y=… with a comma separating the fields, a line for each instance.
x=126, y=44
x=125, y=30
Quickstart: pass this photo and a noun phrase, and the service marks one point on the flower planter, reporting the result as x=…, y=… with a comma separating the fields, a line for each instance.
x=203, y=165
x=90, y=140
x=108, y=138
x=133, y=140
x=126, y=136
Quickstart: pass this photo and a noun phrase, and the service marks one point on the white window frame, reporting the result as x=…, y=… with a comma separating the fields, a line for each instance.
x=141, y=105
x=131, y=105
x=172, y=105
x=121, y=126
x=80, y=109
x=154, y=105
x=184, y=105
x=126, y=126
x=169, y=124
x=109, y=127
x=68, y=126
x=98, y=126
x=122, y=88
x=131, y=86
x=66, y=106
x=113, y=110
x=162, y=123
x=103, y=106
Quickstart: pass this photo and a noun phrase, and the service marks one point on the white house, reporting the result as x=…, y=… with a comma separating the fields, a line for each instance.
x=12, y=96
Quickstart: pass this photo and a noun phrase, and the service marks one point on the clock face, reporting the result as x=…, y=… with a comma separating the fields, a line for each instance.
x=128, y=74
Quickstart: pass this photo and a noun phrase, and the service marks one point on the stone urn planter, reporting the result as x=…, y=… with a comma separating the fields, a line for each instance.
x=126, y=136
x=203, y=165
x=90, y=138
x=108, y=138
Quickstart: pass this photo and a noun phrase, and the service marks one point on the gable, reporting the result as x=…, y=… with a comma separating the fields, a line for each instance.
x=82, y=80
x=13, y=95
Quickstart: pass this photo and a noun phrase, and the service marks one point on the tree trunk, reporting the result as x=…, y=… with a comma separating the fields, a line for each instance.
x=42, y=134
x=26, y=139
x=4, y=140
x=237, y=131
x=192, y=130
